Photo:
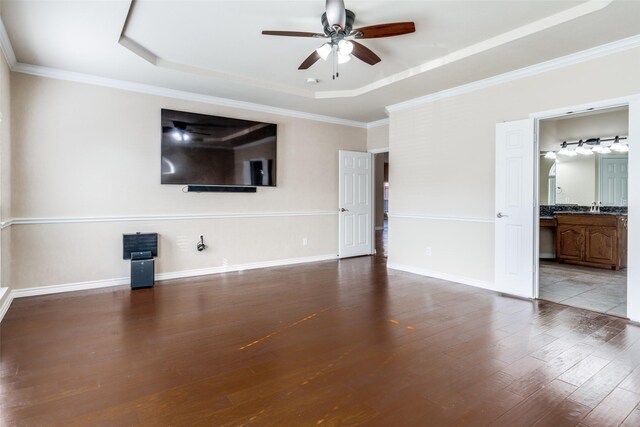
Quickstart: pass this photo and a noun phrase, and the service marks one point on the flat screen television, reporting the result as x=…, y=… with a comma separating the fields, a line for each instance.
x=210, y=150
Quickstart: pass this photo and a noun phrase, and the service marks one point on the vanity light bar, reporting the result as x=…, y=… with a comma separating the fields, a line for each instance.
x=596, y=146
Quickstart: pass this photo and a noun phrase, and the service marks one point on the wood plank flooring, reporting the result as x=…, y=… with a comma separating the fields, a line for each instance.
x=329, y=343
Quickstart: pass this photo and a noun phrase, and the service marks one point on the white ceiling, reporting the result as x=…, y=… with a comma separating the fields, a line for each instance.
x=215, y=47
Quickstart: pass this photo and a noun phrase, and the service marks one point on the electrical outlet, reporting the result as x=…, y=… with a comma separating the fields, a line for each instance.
x=428, y=251
x=304, y=241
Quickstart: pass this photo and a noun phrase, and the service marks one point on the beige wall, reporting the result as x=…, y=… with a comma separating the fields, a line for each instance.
x=378, y=137
x=83, y=151
x=594, y=125
x=443, y=162
x=5, y=170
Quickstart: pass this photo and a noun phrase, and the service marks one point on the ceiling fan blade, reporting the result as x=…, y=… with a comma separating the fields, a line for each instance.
x=293, y=34
x=384, y=30
x=365, y=54
x=311, y=59
x=336, y=14
x=177, y=124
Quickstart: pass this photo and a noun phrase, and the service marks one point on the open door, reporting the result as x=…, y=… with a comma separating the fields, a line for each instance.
x=514, y=230
x=354, y=204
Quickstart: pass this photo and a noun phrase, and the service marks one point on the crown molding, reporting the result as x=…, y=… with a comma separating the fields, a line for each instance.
x=378, y=123
x=5, y=46
x=553, y=64
x=40, y=71
x=518, y=33
x=571, y=59
x=53, y=73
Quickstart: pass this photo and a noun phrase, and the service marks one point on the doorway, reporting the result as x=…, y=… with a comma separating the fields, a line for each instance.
x=583, y=210
x=381, y=189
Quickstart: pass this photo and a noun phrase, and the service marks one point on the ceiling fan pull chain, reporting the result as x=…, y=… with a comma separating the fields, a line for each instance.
x=333, y=65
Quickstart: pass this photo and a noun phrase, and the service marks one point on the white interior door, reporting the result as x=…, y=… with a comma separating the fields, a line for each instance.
x=354, y=204
x=614, y=181
x=514, y=238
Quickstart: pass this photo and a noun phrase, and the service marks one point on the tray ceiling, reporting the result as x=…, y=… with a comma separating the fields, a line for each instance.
x=215, y=47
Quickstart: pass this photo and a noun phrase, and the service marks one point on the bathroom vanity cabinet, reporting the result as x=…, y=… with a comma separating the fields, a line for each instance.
x=592, y=239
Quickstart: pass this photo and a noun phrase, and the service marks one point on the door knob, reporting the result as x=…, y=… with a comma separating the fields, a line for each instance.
x=344, y=210
x=501, y=215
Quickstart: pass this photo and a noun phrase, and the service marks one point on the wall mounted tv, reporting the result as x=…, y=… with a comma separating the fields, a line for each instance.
x=220, y=151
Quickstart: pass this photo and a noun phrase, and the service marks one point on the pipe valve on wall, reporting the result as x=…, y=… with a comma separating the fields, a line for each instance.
x=201, y=246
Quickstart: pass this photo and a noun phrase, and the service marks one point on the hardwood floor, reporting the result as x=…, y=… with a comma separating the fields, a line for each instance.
x=330, y=343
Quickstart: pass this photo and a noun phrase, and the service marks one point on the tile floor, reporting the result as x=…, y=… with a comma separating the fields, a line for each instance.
x=595, y=289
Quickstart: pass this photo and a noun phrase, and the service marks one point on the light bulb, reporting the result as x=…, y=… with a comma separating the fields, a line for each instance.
x=584, y=151
x=345, y=47
x=618, y=147
x=601, y=149
x=565, y=150
x=176, y=135
x=550, y=155
x=343, y=58
x=185, y=136
x=324, y=51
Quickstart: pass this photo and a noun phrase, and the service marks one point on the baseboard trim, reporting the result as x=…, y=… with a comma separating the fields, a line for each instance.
x=97, y=284
x=242, y=267
x=69, y=287
x=6, y=304
x=443, y=276
x=547, y=255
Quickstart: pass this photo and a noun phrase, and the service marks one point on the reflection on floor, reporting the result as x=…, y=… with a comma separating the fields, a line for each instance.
x=382, y=240
x=595, y=289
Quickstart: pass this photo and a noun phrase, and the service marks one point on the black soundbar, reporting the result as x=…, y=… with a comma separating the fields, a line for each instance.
x=219, y=189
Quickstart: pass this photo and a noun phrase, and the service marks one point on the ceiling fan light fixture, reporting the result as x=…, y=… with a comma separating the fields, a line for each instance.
x=343, y=58
x=345, y=47
x=180, y=135
x=324, y=51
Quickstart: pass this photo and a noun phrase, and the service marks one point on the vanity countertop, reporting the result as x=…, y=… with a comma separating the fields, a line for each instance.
x=589, y=213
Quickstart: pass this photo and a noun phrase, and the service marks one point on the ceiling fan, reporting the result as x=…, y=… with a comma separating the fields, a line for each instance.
x=338, y=27
x=179, y=131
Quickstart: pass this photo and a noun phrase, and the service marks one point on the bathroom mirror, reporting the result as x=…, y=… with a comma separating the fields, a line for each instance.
x=582, y=180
